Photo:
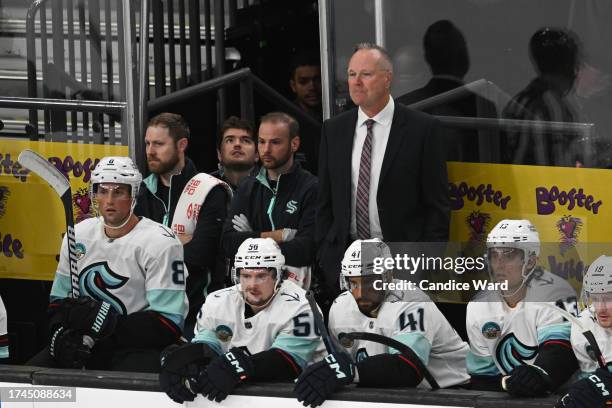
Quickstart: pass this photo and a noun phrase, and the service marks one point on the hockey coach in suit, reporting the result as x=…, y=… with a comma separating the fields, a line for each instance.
x=382, y=172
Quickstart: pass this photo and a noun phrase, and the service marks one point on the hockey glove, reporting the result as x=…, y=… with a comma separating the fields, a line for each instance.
x=528, y=381
x=319, y=381
x=289, y=234
x=68, y=348
x=90, y=317
x=180, y=368
x=241, y=223
x=591, y=392
x=224, y=373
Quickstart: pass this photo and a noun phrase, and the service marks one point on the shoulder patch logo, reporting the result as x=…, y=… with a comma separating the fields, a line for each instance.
x=491, y=330
x=80, y=250
x=224, y=333
x=292, y=207
x=345, y=341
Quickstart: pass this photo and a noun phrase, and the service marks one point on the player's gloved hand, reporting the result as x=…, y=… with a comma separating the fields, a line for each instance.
x=528, y=381
x=319, y=380
x=591, y=392
x=289, y=234
x=90, y=317
x=241, y=223
x=180, y=367
x=68, y=348
x=224, y=373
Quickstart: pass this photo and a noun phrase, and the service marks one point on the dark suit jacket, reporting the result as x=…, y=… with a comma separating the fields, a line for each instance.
x=412, y=195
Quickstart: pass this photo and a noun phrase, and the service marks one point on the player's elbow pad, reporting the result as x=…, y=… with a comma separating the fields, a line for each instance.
x=388, y=371
x=274, y=365
x=557, y=358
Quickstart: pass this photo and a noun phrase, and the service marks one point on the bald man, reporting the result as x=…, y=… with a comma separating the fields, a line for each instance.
x=382, y=170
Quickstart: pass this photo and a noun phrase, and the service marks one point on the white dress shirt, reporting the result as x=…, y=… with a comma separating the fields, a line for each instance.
x=380, y=130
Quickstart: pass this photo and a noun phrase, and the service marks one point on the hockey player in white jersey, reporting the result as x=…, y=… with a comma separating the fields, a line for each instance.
x=4, y=344
x=131, y=276
x=516, y=343
x=261, y=329
x=595, y=389
x=409, y=317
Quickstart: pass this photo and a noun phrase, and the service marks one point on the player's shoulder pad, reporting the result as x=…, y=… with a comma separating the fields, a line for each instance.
x=157, y=234
x=342, y=298
x=222, y=296
x=87, y=225
x=479, y=306
x=549, y=287
x=291, y=294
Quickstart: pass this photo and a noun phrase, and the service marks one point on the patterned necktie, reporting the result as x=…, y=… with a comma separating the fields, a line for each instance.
x=362, y=208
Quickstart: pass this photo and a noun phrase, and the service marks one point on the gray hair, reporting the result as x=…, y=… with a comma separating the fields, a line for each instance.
x=385, y=60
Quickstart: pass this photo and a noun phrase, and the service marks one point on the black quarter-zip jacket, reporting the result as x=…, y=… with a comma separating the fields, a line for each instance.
x=288, y=203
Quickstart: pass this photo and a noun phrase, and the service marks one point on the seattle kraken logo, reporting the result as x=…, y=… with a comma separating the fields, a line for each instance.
x=95, y=282
x=511, y=353
x=361, y=355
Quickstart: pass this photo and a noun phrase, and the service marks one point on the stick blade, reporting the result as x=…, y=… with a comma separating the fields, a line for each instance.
x=45, y=170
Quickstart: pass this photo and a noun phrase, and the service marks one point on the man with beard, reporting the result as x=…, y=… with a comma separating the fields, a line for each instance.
x=259, y=330
x=237, y=151
x=166, y=140
x=279, y=202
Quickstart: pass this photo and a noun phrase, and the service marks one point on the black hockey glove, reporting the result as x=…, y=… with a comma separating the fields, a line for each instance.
x=528, y=381
x=593, y=391
x=68, y=348
x=90, y=317
x=319, y=381
x=224, y=373
x=180, y=368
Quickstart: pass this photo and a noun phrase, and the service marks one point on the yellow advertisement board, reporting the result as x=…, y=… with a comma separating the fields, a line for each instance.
x=32, y=219
x=570, y=207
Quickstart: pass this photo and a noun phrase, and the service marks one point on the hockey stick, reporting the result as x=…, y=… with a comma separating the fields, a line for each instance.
x=586, y=332
x=320, y=324
x=401, y=347
x=48, y=172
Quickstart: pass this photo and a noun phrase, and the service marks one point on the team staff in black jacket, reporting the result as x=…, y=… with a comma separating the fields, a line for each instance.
x=166, y=140
x=279, y=202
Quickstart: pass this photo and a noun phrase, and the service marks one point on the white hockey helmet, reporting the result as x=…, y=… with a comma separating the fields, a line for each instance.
x=520, y=234
x=597, y=282
x=258, y=253
x=117, y=169
x=359, y=258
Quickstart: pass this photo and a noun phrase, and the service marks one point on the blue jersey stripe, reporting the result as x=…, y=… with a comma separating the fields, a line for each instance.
x=209, y=337
x=417, y=342
x=300, y=348
x=481, y=365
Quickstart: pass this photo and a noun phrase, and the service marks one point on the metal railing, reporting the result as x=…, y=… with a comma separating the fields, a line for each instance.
x=59, y=73
x=118, y=111
x=249, y=84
